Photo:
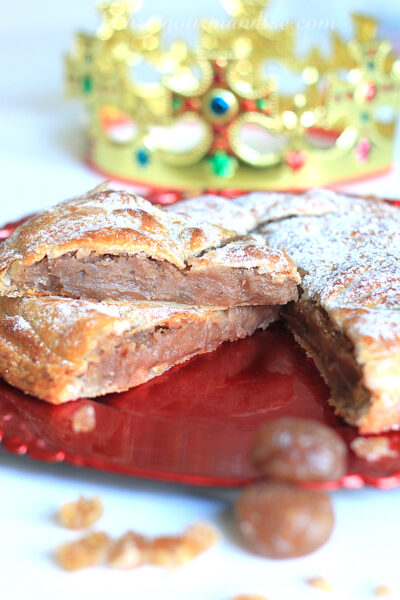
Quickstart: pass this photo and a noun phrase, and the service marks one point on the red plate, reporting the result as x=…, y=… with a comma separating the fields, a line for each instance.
x=194, y=424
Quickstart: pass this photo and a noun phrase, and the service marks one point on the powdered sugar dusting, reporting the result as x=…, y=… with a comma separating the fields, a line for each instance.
x=250, y=252
x=246, y=213
x=20, y=324
x=349, y=258
x=217, y=210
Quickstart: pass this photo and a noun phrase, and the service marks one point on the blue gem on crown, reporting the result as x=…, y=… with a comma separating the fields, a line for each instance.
x=219, y=105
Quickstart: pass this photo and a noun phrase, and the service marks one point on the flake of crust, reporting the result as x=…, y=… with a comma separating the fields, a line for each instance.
x=174, y=551
x=84, y=419
x=382, y=591
x=80, y=514
x=373, y=449
x=85, y=552
x=320, y=583
x=128, y=552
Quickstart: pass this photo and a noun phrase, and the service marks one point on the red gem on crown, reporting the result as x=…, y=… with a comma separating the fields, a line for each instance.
x=295, y=159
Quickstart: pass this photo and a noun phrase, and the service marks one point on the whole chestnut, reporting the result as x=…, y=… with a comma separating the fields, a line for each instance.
x=296, y=450
x=278, y=520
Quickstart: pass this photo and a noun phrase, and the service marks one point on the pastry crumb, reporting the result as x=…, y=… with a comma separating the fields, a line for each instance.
x=200, y=537
x=84, y=419
x=174, y=551
x=85, y=552
x=128, y=552
x=320, y=583
x=80, y=514
x=373, y=449
x=382, y=591
x=132, y=550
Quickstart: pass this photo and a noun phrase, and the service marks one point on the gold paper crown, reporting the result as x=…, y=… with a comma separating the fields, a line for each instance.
x=214, y=120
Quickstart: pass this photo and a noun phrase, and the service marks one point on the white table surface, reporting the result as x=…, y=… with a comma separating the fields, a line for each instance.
x=40, y=164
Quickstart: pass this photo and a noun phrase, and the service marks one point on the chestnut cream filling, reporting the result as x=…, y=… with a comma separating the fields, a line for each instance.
x=121, y=362
x=139, y=277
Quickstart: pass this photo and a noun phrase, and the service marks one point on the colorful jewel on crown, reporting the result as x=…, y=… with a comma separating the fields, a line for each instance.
x=213, y=119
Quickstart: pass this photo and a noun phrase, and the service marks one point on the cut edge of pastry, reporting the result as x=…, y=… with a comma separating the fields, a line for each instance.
x=363, y=375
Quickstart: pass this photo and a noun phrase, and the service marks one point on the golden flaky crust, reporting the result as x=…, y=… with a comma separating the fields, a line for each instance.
x=347, y=249
x=49, y=345
x=112, y=222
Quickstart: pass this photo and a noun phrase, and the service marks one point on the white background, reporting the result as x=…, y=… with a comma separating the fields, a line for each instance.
x=40, y=151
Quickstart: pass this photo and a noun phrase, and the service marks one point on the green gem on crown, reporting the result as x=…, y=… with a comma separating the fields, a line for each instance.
x=222, y=164
x=263, y=103
x=176, y=103
x=87, y=84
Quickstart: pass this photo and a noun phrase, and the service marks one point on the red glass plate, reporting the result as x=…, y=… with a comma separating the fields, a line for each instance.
x=193, y=424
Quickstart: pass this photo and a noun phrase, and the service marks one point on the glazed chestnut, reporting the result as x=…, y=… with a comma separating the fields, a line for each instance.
x=278, y=520
x=295, y=450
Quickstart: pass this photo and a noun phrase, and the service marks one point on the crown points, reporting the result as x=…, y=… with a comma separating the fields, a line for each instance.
x=116, y=16
x=365, y=28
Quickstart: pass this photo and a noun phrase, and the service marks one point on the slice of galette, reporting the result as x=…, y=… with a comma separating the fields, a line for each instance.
x=114, y=245
x=61, y=349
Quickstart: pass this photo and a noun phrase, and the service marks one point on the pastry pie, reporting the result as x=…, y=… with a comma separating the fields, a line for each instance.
x=113, y=245
x=347, y=250
x=60, y=349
